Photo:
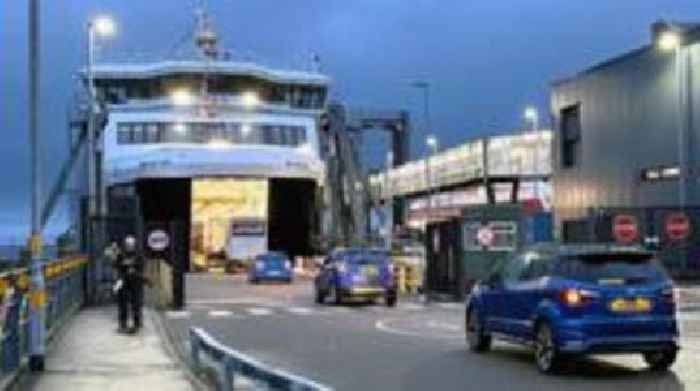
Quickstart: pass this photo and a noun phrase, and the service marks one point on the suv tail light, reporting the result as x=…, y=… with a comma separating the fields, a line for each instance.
x=577, y=297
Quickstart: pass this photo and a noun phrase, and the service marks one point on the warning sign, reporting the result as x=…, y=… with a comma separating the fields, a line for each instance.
x=625, y=228
x=677, y=226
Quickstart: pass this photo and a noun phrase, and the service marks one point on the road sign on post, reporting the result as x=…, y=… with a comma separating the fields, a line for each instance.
x=677, y=226
x=485, y=236
x=158, y=240
x=625, y=228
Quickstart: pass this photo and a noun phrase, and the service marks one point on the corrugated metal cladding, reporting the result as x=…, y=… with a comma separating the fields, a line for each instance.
x=628, y=122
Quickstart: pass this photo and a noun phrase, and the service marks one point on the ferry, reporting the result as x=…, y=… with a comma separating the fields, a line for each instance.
x=228, y=149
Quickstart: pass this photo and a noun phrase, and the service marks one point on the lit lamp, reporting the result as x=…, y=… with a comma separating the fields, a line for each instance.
x=672, y=41
x=181, y=97
x=669, y=40
x=250, y=99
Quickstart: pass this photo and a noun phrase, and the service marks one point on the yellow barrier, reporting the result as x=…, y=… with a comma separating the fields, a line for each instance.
x=408, y=277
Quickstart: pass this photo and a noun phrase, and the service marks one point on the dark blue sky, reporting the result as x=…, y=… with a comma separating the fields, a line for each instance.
x=486, y=60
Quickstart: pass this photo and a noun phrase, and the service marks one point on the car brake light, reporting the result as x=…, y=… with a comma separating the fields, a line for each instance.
x=577, y=297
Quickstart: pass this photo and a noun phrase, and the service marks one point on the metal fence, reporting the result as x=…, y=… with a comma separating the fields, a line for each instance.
x=65, y=294
x=672, y=232
x=233, y=364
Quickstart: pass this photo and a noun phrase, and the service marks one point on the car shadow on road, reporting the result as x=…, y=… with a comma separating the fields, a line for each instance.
x=513, y=368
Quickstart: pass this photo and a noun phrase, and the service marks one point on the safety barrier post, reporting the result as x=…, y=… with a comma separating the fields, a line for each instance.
x=229, y=374
x=194, y=349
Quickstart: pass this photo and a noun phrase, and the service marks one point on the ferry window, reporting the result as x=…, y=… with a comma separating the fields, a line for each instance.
x=123, y=134
x=176, y=133
x=152, y=134
x=137, y=134
x=198, y=133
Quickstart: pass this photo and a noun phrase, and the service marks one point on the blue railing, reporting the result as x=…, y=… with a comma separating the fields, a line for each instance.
x=65, y=287
x=233, y=364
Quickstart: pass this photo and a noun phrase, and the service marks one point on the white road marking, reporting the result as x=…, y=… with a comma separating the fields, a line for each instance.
x=383, y=325
x=300, y=310
x=411, y=307
x=451, y=306
x=220, y=314
x=259, y=311
x=688, y=316
x=240, y=300
x=444, y=326
x=177, y=314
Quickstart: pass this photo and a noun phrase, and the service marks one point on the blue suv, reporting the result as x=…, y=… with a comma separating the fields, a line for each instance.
x=364, y=273
x=577, y=300
x=271, y=266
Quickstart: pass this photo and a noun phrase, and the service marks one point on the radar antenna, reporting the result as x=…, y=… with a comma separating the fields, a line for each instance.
x=205, y=37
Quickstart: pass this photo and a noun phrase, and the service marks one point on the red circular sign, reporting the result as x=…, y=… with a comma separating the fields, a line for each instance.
x=625, y=228
x=677, y=226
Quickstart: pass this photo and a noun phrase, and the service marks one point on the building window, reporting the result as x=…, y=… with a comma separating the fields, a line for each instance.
x=571, y=136
x=658, y=173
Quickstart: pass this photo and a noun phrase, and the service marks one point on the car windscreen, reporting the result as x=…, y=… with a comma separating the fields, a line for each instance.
x=611, y=269
x=272, y=259
x=367, y=256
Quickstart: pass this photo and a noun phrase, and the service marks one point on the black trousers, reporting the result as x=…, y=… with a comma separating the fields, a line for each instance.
x=130, y=300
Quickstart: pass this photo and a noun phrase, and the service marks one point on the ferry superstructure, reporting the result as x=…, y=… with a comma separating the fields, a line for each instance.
x=230, y=149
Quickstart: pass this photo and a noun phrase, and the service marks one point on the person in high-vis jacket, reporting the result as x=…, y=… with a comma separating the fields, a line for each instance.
x=129, y=285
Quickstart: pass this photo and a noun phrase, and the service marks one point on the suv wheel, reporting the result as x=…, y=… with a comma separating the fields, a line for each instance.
x=390, y=299
x=335, y=295
x=320, y=297
x=661, y=360
x=546, y=353
x=477, y=339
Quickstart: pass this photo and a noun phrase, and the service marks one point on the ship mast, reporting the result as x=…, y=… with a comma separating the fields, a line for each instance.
x=206, y=40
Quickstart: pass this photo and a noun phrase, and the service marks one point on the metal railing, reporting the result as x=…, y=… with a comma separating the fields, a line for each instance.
x=65, y=285
x=233, y=364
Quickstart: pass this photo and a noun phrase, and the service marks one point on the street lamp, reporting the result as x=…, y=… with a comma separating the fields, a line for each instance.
x=432, y=143
x=671, y=40
x=425, y=86
x=532, y=115
x=99, y=26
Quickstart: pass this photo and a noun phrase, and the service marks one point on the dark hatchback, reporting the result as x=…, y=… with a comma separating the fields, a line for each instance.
x=566, y=300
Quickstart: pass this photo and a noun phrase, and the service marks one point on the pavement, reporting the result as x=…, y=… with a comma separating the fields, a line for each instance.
x=91, y=355
x=414, y=346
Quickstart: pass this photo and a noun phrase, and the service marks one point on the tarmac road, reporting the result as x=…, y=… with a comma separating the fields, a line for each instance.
x=411, y=347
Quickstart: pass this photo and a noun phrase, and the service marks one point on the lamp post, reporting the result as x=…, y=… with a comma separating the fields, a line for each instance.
x=425, y=87
x=432, y=143
x=103, y=26
x=532, y=115
x=37, y=288
x=672, y=40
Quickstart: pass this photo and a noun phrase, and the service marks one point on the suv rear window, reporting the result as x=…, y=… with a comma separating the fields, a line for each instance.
x=611, y=269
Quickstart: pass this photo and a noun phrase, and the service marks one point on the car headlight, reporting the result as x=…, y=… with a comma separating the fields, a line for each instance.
x=287, y=265
x=259, y=265
x=341, y=267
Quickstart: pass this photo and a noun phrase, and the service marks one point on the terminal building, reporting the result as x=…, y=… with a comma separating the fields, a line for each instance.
x=490, y=170
x=625, y=144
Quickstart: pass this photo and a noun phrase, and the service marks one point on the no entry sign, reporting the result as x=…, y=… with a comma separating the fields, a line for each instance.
x=158, y=240
x=485, y=236
x=677, y=225
x=625, y=228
